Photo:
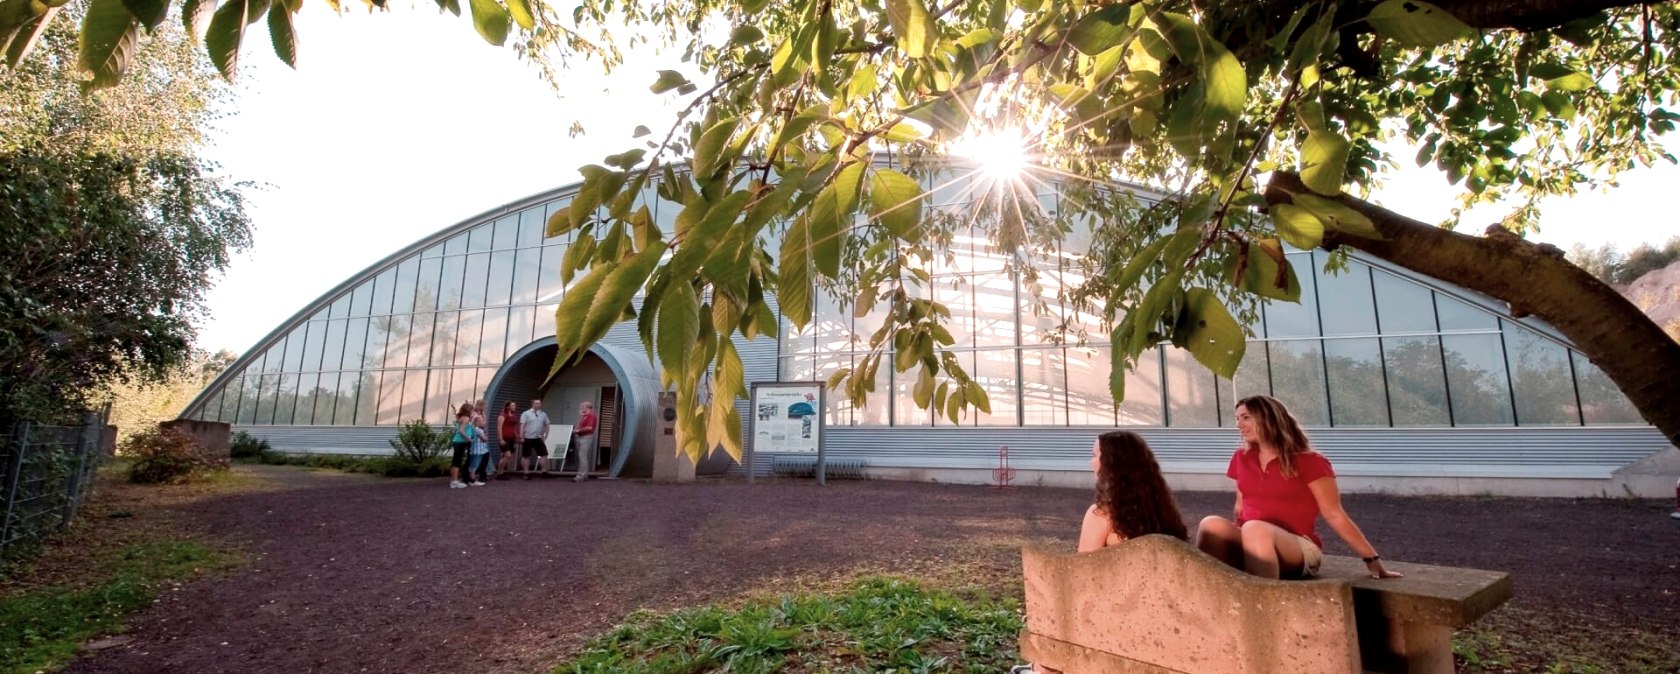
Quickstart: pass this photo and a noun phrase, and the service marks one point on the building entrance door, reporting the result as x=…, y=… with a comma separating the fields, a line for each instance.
x=564, y=402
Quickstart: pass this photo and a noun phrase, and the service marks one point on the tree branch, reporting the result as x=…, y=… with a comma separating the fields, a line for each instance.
x=1527, y=15
x=1532, y=279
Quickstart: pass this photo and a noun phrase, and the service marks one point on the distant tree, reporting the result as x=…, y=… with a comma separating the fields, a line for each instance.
x=1611, y=266
x=140, y=402
x=1646, y=259
x=1602, y=262
x=112, y=229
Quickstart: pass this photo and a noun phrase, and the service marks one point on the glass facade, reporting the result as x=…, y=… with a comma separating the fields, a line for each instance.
x=1365, y=347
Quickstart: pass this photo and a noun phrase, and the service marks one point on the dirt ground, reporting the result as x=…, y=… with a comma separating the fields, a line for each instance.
x=352, y=573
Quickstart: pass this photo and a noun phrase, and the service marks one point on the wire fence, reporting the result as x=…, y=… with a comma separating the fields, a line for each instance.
x=46, y=473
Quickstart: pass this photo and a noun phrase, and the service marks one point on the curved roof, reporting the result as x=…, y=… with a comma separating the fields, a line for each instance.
x=390, y=261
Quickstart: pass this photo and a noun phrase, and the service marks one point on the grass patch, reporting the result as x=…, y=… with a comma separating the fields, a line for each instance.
x=41, y=629
x=877, y=624
x=1518, y=639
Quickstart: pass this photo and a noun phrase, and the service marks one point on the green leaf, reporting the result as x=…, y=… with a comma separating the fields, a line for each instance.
x=1570, y=82
x=745, y=35
x=1133, y=271
x=150, y=13
x=668, y=80
x=1417, y=24
x=616, y=292
x=708, y=152
x=522, y=15
x=109, y=37
x=227, y=31
x=793, y=285
x=679, y=326
x=1338, y=216
x=914, y=27
x=195, y=15
x=1324, y=158
x=1101, y=30
x=923, y=391
x=896, y=200
x=1224, y=82
x=830, y=217
x=283, y=35
x=491, y=19
x=699, y=243
x=863, y=82
x=578, y=256
x=1298, y=226
x=1208, y=332
x=27, y=33
x=948, y=115
x=569, y=316
x=976, y=395
x=753, y=6
x=1116, y=373
x=1265, y=271
x=954, y=404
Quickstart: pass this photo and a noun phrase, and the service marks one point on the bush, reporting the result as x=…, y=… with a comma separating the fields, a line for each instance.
x=418, y=445
x=246, y=447
x=169, y=456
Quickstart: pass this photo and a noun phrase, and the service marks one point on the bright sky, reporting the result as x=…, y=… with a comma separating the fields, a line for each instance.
x=400, y=123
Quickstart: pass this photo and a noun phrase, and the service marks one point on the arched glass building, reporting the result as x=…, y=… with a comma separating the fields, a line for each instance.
x=1408, y=383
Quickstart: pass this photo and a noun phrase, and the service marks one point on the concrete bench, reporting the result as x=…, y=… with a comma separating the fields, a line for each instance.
x=1156, y=605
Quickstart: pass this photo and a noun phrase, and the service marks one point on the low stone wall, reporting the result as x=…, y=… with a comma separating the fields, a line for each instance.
x=211, y=435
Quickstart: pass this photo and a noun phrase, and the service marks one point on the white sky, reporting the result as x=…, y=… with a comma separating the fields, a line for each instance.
x=400, y=123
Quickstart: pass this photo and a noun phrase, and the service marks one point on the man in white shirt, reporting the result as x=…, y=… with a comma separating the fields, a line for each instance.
x=533, y=428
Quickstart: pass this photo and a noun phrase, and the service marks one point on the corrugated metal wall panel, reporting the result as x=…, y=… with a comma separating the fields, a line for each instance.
x=373, y=440
x=1503, y=452
x=1460, y=452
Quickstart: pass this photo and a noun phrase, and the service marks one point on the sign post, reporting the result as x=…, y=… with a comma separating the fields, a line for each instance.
x=787, y=418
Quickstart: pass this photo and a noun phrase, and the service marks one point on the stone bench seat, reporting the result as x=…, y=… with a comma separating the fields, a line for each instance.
x=1156, y=605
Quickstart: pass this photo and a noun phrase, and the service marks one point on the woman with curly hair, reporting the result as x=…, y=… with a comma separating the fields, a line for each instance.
x=1132, y=500
x=1283, y=486
x=1132, y=497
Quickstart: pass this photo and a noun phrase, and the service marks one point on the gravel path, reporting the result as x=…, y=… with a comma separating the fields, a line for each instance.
x=359, y=574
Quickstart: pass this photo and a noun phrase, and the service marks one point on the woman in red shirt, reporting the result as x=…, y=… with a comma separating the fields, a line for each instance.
x=1283, y=486
x=509, y=431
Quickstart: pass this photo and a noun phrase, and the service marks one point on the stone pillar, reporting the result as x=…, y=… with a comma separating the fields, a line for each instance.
x=668, y=464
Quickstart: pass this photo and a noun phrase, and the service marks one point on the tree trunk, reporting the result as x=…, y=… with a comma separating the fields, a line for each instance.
x=1534, y=279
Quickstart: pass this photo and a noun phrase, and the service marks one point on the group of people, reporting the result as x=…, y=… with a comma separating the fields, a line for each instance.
x=521, y=439
x=1283, y=487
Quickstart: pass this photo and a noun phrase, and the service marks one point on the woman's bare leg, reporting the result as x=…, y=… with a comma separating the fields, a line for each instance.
x=1221, y=538
x=1267, y=549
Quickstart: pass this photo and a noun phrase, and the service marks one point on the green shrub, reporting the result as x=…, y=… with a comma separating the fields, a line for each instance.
x=417, y=448
x=169, y=456
x=246, y=447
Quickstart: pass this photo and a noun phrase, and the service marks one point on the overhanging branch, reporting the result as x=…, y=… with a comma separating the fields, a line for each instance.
x=1615, y=335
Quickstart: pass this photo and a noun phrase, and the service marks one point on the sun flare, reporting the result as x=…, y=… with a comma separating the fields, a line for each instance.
x=1000, y=154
